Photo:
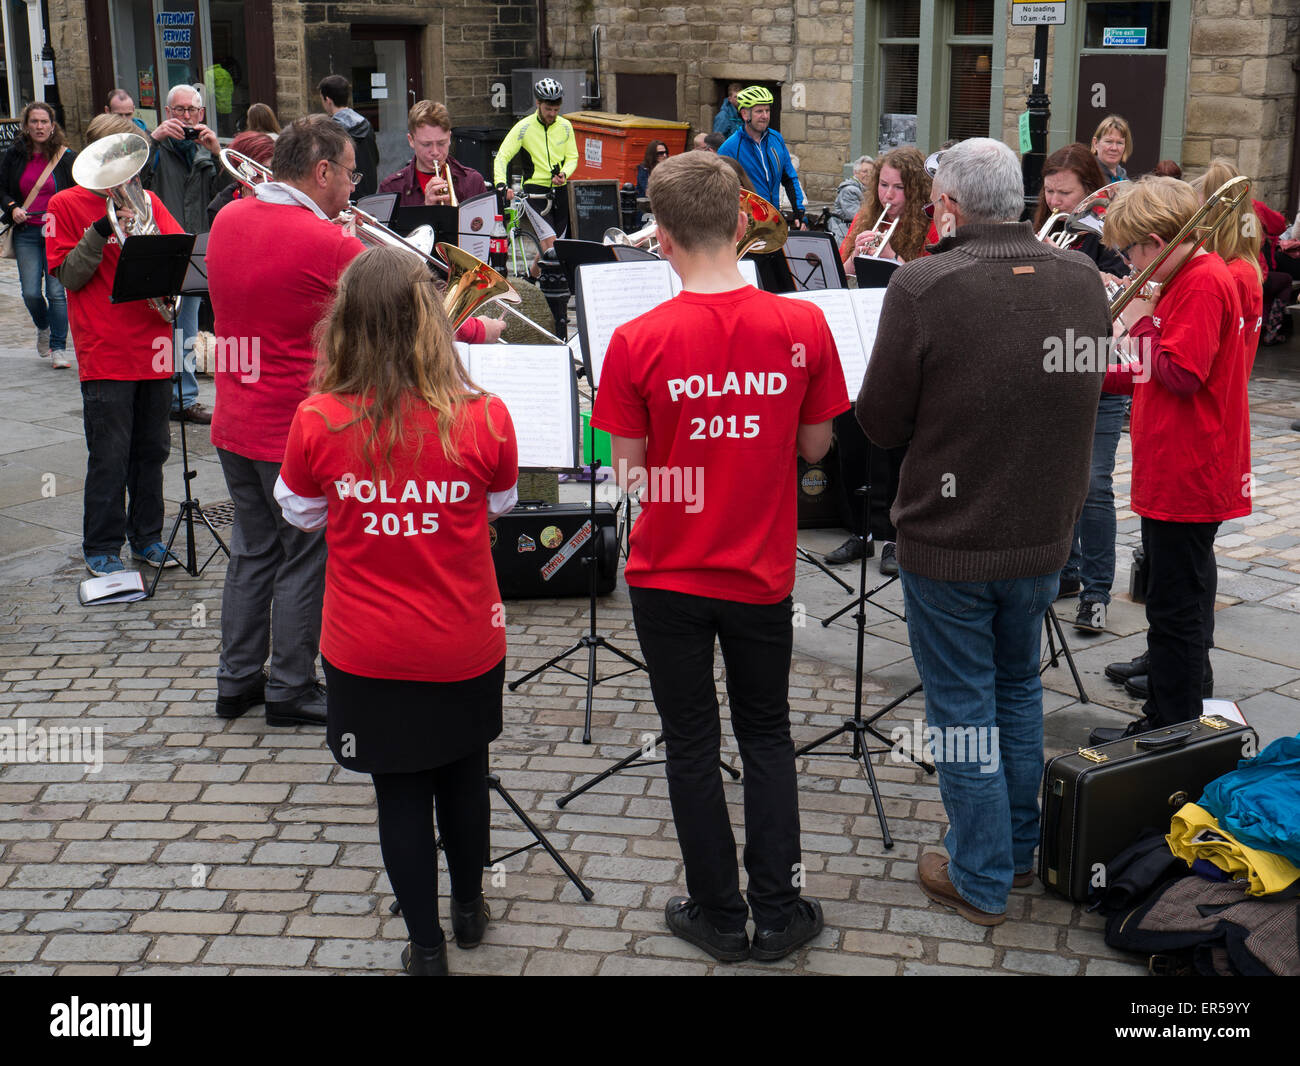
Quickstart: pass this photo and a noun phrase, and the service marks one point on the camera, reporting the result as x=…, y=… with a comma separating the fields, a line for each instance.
x=191, y=133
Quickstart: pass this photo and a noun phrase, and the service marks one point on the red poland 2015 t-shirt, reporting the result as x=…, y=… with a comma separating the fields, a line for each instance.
x=115, y=342
x=410, y=588
x=719, y=385
x=272, y=272
x=1191, y=454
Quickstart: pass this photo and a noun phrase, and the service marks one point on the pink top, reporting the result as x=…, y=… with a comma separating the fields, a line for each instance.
x=33, y=170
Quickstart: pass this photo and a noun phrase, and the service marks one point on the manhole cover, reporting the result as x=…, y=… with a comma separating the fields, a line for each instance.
x=221, y=515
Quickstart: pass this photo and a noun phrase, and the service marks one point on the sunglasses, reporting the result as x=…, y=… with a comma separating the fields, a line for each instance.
x=662, y=151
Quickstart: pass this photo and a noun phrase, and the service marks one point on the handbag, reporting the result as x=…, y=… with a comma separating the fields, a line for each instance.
x=7, y=234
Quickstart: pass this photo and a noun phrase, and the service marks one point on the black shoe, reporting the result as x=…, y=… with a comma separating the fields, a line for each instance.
x=773, y=944
x=1139, y=687
x=686, y=919
x=469, y=922
x=1091, y=616
x=234, y=706
x=1070, y=586
x=422, y=962
x=848, y=552
x=888, y=560
x=1121, y=672
x=1107, y=735
x=305, y=709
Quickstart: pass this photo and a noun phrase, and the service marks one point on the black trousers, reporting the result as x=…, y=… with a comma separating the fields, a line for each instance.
x=1182, y=577
x=559, y=214
x=862, y=462
x=408, y=840
x=677, y=632
x=128, y=440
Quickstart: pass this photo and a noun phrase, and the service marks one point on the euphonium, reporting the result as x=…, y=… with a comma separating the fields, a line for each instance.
x=111, y=167
x=642, y=238
x=765, y=230
x=244, y=169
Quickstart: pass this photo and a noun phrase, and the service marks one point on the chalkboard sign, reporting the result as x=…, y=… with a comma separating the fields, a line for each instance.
x=593, y=208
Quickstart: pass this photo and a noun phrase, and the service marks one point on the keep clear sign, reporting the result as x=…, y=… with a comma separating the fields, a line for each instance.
x=176, y=29
x=1033, y=13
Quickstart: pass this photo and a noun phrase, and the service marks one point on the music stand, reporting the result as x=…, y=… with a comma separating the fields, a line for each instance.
x=625, y=253
x=381, y=205
x=573, y=254
x=873, y=273
x=161, y=266
x=444, y=220
x=773, y=272
x=814, y=261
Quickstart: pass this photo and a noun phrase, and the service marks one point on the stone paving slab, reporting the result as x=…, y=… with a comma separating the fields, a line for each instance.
x=212, y=847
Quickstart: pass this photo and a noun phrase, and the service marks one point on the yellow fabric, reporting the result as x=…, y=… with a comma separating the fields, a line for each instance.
x=1194, y=833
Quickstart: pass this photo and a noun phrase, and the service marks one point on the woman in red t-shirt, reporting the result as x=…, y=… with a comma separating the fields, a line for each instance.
x=404, y=461
x=1237, y=242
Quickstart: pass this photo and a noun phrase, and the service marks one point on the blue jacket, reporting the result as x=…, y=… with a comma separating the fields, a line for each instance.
x=768, y=165
x=727, y=120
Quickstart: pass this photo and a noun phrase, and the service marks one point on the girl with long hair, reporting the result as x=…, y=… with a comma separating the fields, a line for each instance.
x=900, y=189
x=1238, y=242
x=38, y=155
x=1071, y=174
x=404, y=461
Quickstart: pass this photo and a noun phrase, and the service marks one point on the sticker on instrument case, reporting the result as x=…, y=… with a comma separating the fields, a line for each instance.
x=526, y=543
x=553, y=564
x=814, y=481
x=551, y=537
x=492, y=535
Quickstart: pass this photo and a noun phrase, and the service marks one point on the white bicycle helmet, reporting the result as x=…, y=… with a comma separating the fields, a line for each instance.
x=549, y=91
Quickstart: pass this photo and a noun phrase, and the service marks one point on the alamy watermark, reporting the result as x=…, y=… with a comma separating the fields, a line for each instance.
x=75, y=744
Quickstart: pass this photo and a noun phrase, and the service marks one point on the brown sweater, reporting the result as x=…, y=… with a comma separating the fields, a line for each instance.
x=999, y=446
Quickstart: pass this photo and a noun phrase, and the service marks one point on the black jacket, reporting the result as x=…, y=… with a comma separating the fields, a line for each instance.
x=185, y=190
x=13, y=163
x=366, y=148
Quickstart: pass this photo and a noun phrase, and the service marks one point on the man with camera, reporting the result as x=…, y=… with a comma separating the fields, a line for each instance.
x=183, y=174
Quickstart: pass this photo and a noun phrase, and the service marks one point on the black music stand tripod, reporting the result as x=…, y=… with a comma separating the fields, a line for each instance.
x=863, y=728
x=592, y=640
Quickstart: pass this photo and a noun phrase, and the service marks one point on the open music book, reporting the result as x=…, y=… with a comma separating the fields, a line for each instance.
x=610, y=294
x=539, y=388
x=852, y=315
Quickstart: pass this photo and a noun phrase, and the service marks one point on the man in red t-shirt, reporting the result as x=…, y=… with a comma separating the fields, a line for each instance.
x=273, y=262
x=1191, y=444
x=123, y=358
x=707, y=398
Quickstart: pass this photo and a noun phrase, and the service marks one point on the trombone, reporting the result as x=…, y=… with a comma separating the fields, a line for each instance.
x=1230, y=194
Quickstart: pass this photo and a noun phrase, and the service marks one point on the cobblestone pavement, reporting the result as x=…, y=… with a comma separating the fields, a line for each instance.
x=205, y=846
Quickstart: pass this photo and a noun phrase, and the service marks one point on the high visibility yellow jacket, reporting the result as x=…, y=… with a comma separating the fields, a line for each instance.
x=547, y=146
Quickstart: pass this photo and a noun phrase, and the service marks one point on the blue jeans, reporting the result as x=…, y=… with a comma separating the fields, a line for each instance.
x=976, y=646
x=48, y=308
x=187, y=325
x=1092, y=555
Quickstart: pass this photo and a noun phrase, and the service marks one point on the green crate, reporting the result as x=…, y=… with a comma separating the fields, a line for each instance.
x=604, y=449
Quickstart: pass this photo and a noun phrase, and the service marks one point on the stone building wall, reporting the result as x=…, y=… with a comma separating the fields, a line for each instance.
x=69, y=38
x=807, y=47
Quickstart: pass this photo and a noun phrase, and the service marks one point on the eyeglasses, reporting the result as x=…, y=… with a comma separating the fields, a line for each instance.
x=929, y=209
x=1123, y=252
x=354, y=176
x=186, y=110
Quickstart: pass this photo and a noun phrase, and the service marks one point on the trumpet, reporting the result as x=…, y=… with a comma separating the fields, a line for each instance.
x=442, y=171
x=876, y=237
x=111, y=167
x=765, y=229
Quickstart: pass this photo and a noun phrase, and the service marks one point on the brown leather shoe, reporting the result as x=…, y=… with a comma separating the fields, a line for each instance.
x=196, y=413
x=932, y=872
x=1023, y=880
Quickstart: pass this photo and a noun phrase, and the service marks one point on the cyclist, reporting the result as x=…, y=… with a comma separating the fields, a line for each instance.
x=762, y=151
x=549, y=141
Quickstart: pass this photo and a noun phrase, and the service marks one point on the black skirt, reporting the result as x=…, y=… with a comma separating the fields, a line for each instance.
x=378, y=726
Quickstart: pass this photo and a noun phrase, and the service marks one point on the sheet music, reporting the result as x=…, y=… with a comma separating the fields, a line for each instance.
x=866, y=305
x=615, y=293
x=475, y=217
x=748, y=271
x=537, y=384
x=843, y=322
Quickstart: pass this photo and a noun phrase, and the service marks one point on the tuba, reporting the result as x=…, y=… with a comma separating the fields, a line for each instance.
x=765, y=229
x=111, y=167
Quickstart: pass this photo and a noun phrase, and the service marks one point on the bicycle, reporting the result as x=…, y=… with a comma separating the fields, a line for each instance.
x=524, y=250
